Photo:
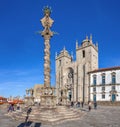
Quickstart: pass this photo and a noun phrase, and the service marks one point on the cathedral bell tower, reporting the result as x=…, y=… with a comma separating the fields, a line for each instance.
x=62, y=60
x=87, y=60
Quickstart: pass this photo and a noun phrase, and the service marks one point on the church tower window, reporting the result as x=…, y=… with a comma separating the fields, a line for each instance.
x=83, y=53
x=59, y=62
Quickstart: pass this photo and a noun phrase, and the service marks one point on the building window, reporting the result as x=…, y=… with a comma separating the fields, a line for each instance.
x=113, y=78
x=103, y=96
x=59, y=62
x=103, y=79
x=113, y=88
x=94, y=89
x=83, y=53
x=103, y=88
x=94, y=98
x=94, y=80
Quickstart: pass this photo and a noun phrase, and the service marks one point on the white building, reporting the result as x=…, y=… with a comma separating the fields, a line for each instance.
x=105, y=85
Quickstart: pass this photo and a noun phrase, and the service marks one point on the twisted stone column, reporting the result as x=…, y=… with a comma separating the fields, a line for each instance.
x=47, y=61
x=47, y=34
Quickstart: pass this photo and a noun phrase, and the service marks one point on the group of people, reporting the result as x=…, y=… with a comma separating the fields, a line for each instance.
x=90, y=105
x=12, y=107
x=77, y=104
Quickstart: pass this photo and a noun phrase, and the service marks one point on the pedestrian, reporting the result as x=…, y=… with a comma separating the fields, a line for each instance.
x=29, y=111
x=95, y=105
x=10, y=108
x=18, y=106
x=89, y=105
x=72, y=103
x=78, y=104
x=82, y=104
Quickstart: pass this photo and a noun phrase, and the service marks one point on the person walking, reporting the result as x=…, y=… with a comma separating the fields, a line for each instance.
x=95, y=105
x=72, y=104
x=89, y=105
x=82, y=104
x=78, y=104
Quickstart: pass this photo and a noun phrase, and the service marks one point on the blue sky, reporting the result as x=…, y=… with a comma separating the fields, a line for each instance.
x=21, y=49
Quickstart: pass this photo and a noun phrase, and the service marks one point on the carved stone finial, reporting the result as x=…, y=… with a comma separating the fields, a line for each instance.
x=47, y=11
x=97, y=44
x=76, y=44
x=56, y=54
x=47, y=23
x=86, y=37
x=71, y=56
x=64, y=48
x=90, y=36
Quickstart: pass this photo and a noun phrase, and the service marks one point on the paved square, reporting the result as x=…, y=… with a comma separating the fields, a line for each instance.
x=104, y=116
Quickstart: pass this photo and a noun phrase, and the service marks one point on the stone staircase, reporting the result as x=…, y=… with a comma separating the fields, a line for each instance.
x=49, y=116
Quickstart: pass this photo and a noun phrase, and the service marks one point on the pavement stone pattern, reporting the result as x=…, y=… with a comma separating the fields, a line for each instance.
x=103, y=116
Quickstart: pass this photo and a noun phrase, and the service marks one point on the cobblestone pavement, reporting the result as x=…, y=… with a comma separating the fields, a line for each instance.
x=104, y=116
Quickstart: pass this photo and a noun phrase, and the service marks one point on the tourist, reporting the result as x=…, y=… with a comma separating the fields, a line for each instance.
x=11, y=108
x=89, y=105
x=95, y=105
x=82, y=104
x=18, y=106
x=29, y=111
x=78, y=104
x=72, y=104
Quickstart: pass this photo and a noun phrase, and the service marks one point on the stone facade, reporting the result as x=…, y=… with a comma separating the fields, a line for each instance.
x=72, y=78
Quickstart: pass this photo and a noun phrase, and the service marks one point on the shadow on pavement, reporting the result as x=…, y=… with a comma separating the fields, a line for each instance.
x=86, y=110
x=29, y=124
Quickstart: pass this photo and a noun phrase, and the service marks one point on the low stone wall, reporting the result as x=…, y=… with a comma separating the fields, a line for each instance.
x=108, y=103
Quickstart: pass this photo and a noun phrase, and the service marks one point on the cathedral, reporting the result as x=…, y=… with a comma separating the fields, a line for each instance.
x=72, y=77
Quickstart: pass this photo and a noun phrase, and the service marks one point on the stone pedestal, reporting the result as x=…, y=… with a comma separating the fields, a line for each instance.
x=48, y=99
